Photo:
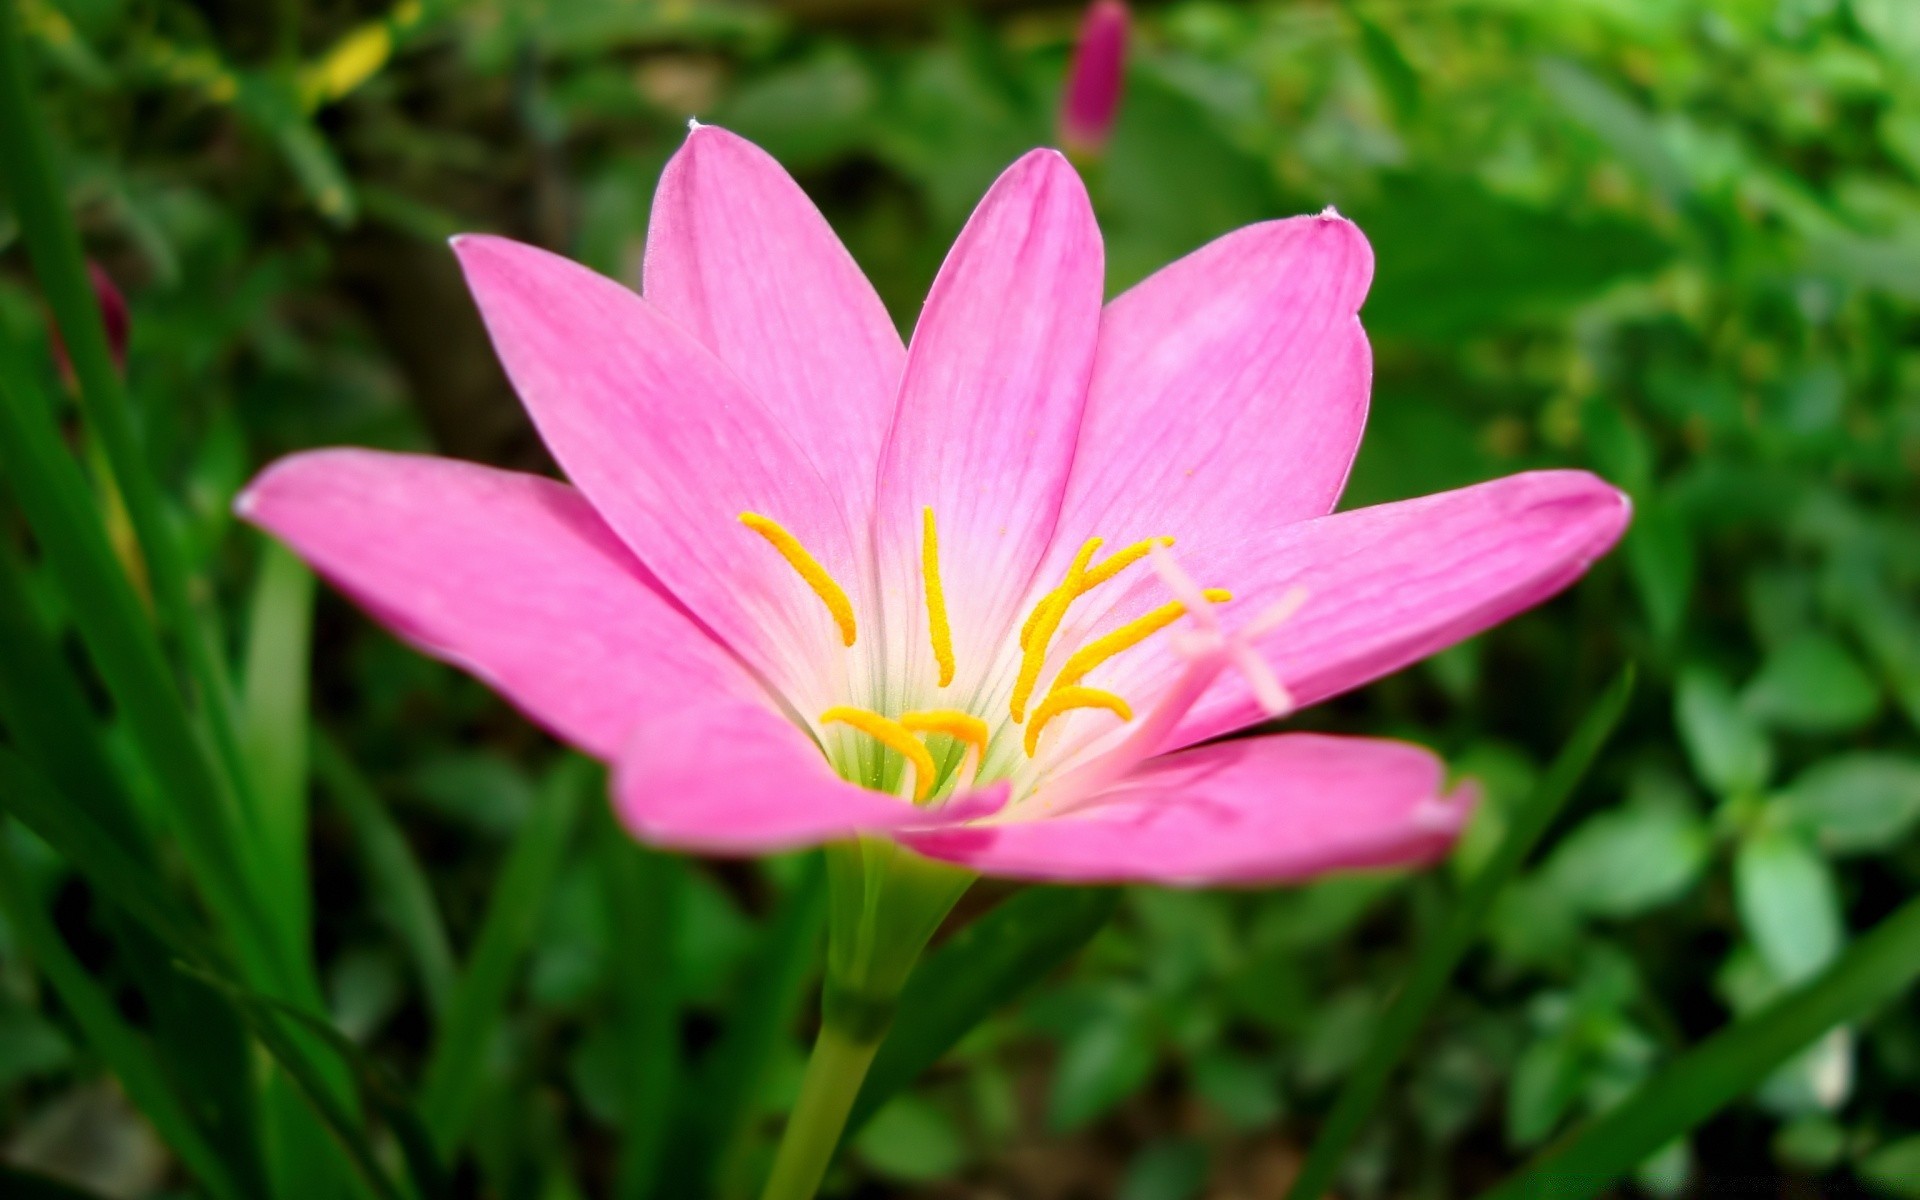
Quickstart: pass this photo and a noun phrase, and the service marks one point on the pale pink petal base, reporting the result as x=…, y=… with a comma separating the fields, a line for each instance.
x=741, y=779
x=510, y=576
x=1261, y=810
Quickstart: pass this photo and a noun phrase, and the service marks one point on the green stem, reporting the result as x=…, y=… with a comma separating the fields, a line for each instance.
x=834, y=1075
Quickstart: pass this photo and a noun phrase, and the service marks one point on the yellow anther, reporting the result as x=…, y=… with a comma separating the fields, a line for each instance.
x=1043, y=623
x=1096, y=575
x=808, y=568
x=962, y=726
x=1119, y=561
x=1066, y=699
x=937, y=626
x=1138, y=630
x=894, y=736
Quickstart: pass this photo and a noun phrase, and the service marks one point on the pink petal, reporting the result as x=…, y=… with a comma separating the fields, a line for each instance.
x=990, y=406
x=509, y=576
x=1231, y=384
x=671, y=448
x=740, y=258
x=735, y=777
x=1256, y=810
x=1384, y=587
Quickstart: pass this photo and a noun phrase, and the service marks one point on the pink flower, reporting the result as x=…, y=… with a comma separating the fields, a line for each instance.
x=113, y=317
x=1095, y=78
x=809, y=583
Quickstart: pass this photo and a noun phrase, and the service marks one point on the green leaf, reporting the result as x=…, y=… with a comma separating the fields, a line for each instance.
x=1811, y=684
x=913, y=1140
x=94, y=1011
x=1788, y=903
x=273, y=737
x=1856, y=803
x=1894, y=1168
x=451, y=1086
x=265, y=1016
x=1172, y=1169
x=1102, y=1062
x=401, y=894
x=984, y=966
x=1729, y=752
x=1397, y=1028
x=1878, y=967
x=1626, y=861
x=644, y=891
x=756, y=1023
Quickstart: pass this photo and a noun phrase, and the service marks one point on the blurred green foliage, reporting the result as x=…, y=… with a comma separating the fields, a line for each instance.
x=1678, y=244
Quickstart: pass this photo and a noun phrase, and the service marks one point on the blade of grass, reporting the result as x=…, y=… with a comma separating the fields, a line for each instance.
x=123, y=1050
x=1396, y=1029
x=978, y=970
x=263, y=1017
x=383, y=1092
x=451, y=1085
x=48, y=716
x=53, y=244
x=713, y=1132
x=111, y=623
x=195, y=1035
x=645, y=891
x=1875, y=969
x=274, y=732
x=67, y=827
x=401, y=892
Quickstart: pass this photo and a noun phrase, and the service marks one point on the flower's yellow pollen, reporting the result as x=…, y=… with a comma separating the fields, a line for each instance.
x=1046, y=619
x=1138, y=630
x=937, y=626
x=1119, y=561
x=894, y=736
x=1066, y=699
x=1096, y=575
x=951, y=721
x=808, y=568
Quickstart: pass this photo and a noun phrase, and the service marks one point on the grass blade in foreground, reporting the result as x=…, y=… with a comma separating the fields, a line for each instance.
x=122, y=1049
x=53, y=244
x=402, y=895
x=451, y=1089
x=1726, y=1066
x=274, y=725
x=984, y=966
x=1402, y=1020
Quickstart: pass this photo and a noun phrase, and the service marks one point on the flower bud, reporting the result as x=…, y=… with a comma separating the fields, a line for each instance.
x=113, y=316
x=1095, y=79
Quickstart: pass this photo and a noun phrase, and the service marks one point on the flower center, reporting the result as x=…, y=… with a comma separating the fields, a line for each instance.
x=904, y=734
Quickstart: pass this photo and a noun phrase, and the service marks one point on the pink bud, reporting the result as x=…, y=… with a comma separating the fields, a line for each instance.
x=113, y=315
x=1095, y=79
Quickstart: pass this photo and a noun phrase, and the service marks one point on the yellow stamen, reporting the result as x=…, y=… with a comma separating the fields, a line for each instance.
x=1119, y=561
x=1046, y=619
x=894, y=736
x=1096, y=575
x=937, y=625
x=962, y=726
x=1065, y=699
x=809, y=569
x=1138, y=630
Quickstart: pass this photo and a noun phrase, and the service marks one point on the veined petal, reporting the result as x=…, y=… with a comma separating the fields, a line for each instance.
x=1229, y=385
x=1257, y=810
x=734, y=777
x=989, y=410
x=742, y=260
x=672, y=448
x=511, y=577
x=1383, y=587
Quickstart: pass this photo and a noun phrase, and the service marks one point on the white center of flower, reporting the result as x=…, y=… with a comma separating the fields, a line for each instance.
x=906, y=733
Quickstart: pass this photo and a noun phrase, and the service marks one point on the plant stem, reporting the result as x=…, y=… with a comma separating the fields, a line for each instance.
x=834, y=1075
